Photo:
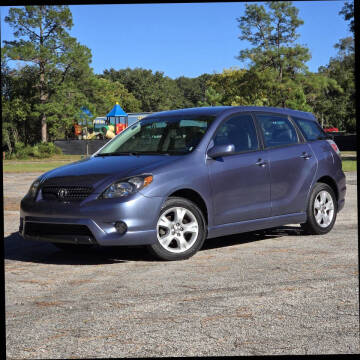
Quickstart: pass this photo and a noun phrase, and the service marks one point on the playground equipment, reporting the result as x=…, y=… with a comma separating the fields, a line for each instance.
x=108, y=131
x=117, y=117
x=107, y=127
x=115, y=122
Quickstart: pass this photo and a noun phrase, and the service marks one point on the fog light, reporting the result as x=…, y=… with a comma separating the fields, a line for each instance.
x=120, y=227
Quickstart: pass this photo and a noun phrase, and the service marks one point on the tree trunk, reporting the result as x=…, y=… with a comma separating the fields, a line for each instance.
x=43, y=94
x=43, y=128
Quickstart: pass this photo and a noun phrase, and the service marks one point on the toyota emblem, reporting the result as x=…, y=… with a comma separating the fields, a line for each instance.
x=62, y=193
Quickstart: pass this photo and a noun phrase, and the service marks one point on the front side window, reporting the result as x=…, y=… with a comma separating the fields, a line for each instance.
x=172, y=136
x=277, y=130
x=239, y=131
x=310, y=129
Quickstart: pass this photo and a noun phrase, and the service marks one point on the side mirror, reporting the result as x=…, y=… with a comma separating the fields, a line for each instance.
x=221, y=150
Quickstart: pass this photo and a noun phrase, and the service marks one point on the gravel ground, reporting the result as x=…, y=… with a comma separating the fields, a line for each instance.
x=261, y=293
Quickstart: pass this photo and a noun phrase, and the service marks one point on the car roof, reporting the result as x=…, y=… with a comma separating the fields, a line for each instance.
x=216, y=110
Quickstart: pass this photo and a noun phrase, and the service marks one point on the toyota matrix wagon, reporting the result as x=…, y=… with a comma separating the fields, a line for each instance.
x=176, y=178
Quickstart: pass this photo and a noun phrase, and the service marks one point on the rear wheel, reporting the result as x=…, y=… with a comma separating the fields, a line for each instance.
x=181, y=230
x=321, y=210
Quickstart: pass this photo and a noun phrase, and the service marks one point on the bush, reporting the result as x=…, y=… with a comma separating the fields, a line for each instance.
x=49, y=148
x=38, y=151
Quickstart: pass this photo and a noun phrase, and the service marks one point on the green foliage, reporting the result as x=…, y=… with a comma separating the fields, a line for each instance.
x=272, y=33
x=193, y=89
x=348, y=12
x=276, y=63
x=56, y=80
x=155, y=91
x=39, y=151
x=212, y=98
x=105, y=93
x=41, y=38
x=338, y=107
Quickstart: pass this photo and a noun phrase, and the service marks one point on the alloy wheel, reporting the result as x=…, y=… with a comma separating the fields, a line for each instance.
x=323, y=209
x=177, y=229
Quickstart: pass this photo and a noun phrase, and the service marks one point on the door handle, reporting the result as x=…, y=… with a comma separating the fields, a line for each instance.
x=305, y=156
x=261, y=163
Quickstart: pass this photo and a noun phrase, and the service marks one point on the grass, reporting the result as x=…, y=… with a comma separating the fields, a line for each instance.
x=31, y=166
x=43, y=165
x=349, y=165
x=38, y=165
x=62, y=157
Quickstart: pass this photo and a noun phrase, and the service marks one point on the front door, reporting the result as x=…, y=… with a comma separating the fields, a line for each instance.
x=240, y=182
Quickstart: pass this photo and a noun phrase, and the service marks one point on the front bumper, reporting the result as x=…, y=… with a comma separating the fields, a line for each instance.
x=138, y=212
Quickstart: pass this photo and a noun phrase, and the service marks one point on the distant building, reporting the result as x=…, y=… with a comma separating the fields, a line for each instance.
x=133, y=117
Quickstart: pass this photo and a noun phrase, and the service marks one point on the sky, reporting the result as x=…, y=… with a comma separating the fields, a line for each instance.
x=187, y=39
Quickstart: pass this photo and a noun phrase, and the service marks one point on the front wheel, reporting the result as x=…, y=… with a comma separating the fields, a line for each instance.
x=180, y=229
x=321, y=210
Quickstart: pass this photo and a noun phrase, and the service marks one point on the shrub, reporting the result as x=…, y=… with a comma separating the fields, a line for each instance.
x=39, y=151
x=49, y=148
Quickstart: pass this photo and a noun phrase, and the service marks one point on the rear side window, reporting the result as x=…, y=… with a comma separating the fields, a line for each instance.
x=239, y=131
x=277, y=130
x=310, y=129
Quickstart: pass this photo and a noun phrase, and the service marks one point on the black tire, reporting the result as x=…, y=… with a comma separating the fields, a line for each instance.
x=73, y=248
x=159, y=250
x=311, y=226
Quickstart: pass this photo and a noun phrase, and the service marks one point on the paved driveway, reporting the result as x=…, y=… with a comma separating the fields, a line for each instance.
x=272, y=292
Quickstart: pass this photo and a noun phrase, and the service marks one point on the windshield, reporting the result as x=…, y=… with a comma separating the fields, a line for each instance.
x=171, y=136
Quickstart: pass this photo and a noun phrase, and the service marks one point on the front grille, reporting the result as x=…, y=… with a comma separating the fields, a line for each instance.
x=71, y=233
x=66, y=193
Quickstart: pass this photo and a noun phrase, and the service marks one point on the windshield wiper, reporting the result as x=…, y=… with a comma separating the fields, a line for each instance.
x=117, y=154
x=137, y=153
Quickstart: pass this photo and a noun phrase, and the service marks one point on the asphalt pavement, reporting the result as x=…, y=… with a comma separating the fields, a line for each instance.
x=263, y=293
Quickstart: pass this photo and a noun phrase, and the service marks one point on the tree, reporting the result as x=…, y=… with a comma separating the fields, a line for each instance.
x=18, y=103
x=193, y=89
x=274, y=57
x=212, y=98
x=348, y=12
x=238, y=87
x=339, y=106
x=104, y=93
x=337, y=103
x=42, y=39
x=155, y=91
x=272, y=32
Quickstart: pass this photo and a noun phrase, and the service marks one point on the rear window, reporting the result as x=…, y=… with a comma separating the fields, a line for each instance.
x=310, y=129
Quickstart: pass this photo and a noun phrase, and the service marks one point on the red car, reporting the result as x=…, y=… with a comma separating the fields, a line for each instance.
x=332, y=129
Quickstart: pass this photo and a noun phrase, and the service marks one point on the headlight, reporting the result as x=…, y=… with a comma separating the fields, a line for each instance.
x=127, y=187
x=33, y=189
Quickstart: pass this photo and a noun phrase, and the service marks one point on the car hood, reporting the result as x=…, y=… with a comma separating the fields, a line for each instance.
x=99, y=171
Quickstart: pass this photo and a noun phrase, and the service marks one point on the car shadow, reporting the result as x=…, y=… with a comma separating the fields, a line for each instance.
x=253, y=236
x=18, y=249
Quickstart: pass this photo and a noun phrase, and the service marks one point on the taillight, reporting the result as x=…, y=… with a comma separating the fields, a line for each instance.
x=334, y=146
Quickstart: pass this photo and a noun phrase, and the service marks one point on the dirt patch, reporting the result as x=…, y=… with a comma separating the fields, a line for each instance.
x=80, y=281
x=49, y=303
x=12, y=204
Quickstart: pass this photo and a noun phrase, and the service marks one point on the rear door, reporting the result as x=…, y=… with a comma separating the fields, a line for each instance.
x=240, y=182
x=292, y=163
